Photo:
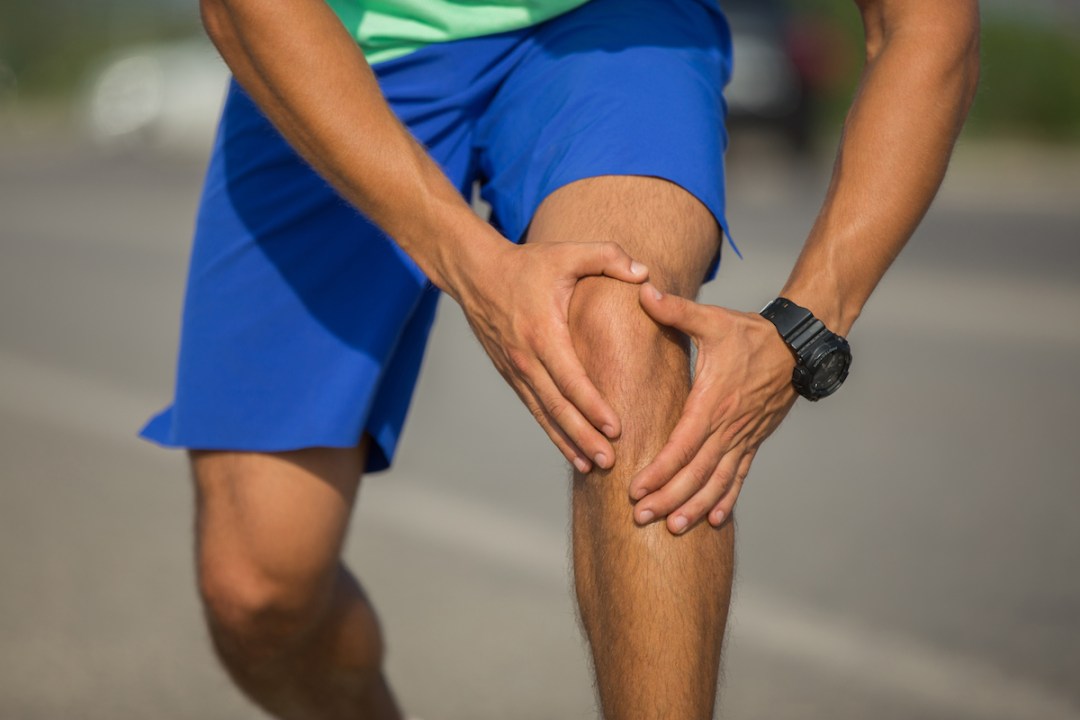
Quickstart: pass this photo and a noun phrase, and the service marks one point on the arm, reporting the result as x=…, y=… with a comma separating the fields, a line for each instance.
x=305, y=71
x=920, y=79
x=915, y=91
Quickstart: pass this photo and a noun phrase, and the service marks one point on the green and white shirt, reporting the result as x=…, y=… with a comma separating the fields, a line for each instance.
x=388, y=29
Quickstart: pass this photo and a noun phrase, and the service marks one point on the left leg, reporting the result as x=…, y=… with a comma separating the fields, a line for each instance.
x=654, y=605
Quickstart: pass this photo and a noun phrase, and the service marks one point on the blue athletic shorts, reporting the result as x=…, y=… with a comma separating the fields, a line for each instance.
x=305, y=326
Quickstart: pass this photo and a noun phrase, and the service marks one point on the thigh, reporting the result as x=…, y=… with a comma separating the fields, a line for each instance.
x=616, y=87
x=655, y=220
x=274, y=521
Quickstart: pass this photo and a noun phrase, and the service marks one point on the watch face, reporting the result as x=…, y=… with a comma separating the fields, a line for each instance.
x=830, y=372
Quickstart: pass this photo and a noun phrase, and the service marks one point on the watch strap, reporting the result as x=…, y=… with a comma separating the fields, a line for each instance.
x=796, y=325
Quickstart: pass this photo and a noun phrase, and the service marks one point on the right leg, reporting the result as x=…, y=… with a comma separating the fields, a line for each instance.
x=288, y=620
x=653, y=604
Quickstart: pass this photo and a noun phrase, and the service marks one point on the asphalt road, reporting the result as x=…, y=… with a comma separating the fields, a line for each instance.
x=909, y=549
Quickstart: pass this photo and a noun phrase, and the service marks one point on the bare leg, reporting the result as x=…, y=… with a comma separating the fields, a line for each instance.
x=654, y=606
x=288, y=621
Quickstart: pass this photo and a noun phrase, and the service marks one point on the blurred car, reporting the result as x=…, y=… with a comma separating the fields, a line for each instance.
x=166, y=96
x=778, y=69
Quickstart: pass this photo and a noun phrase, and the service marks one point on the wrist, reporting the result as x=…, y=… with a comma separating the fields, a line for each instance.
x=448, y=241
x=426, y=216
x=836, y=309
x=467, y=249
x=822, y=356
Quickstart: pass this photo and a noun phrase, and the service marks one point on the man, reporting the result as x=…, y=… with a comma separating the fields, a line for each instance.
x=596, y=131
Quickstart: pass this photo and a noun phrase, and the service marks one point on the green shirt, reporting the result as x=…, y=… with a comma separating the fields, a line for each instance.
x=388, y=29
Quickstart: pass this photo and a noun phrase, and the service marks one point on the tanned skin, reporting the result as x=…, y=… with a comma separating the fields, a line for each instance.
x=918, y=84
x=599, y=361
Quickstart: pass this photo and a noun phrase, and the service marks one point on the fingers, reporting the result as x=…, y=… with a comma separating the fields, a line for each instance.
x=705, y=499
x=688, y=437
x=608, y=259
x=674, y=311
x=683, y=486
x=559, y=438
x=561, y=412
x=570, y=421
x=710, y=494
x=529, y=340
x=573, y=383
x=722, y=510
x=568, y=397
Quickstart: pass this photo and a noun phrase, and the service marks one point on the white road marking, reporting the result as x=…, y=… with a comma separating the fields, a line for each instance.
x=58, y=396
x=883, y=660
x=872, y=657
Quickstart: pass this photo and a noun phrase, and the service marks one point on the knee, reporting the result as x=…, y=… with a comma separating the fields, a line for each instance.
x=641, y=368
x=254, y=616
x=612, y=333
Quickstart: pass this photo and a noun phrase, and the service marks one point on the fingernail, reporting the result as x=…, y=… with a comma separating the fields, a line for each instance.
x=638, y=493
x=718, y=518
x=601, y=460
x=656, y=293
x=645, y=516
x=637, y=268
x=609, y=431
x=581, y=465
x=680, y=523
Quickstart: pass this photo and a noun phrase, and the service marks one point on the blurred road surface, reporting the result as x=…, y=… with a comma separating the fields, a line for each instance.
x=909, y=549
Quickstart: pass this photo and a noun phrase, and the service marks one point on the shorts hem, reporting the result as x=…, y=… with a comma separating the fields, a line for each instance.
x=715, y=209
x=159, y=431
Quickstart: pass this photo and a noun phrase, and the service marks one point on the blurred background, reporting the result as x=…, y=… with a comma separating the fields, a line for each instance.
x=909, y=549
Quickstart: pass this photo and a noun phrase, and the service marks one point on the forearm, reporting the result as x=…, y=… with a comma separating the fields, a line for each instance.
x=307, y=74
x=914, y=94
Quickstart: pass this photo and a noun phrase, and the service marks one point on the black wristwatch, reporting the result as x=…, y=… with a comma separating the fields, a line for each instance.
x=822, y=358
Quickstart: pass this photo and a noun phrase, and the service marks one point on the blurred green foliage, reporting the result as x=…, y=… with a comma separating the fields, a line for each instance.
x=1030, y=74
x=50, y=45
x=1030, y=81
x=1030, y=78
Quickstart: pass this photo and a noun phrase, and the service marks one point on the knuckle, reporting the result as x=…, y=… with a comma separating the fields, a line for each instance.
x=727, y=405
x=730, y=434
x=577, y=386
x=684, y=455
x=538, y=414
x=698, y=475
x=557, y=410
x=518, y=360
x=725, y=481
x=531, y=335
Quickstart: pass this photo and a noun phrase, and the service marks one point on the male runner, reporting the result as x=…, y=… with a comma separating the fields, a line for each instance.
x=596, y=131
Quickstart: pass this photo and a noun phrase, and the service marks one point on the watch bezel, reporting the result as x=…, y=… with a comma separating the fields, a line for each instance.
x=811, y=343
x=812, y=366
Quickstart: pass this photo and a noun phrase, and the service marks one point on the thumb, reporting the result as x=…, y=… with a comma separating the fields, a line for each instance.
x=608, y=258
x=672, y=310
